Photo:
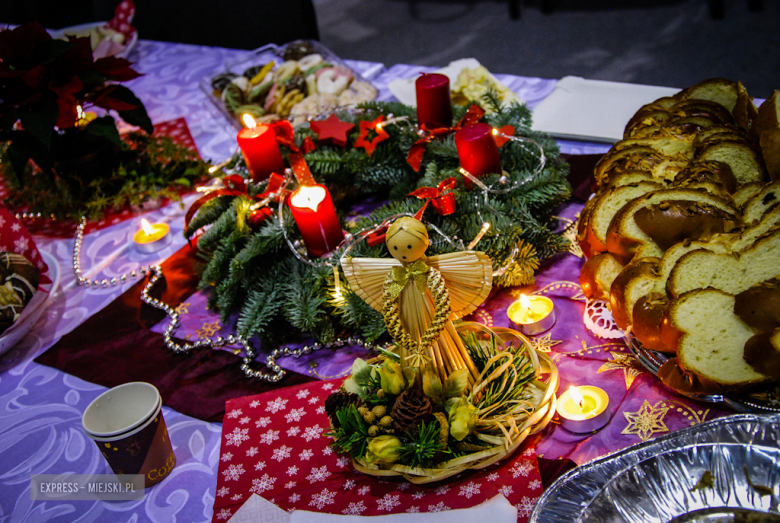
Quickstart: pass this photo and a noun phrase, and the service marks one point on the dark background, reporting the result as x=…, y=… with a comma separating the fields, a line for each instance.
x=673, y=43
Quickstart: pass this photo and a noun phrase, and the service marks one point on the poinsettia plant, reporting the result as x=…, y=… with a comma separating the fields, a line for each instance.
x=43, y=81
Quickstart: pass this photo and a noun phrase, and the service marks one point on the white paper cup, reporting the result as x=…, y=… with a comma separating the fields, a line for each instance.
x=121, y=409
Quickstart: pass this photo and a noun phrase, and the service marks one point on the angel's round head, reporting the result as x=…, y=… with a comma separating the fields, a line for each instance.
x=407, y=239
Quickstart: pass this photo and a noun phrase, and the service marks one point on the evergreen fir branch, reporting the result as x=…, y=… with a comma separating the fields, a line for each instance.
x=386, y=108
x=423, y=445
x=208, y=214
x=259, y=310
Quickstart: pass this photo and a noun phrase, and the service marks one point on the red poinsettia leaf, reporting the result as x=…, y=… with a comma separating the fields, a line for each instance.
x=7, y=72
x=66, y=85
x=17, y=45
x=114, y=68
x=75, y=59
x=67, y=117
x=105, y=100
x=34, y=77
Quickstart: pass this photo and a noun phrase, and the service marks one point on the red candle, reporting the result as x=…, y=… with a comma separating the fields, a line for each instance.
x=477, y=150
x=316, y=218
x=434, y=105
x=260, y=150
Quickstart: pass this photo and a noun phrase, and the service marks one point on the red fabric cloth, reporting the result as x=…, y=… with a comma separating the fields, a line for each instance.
x=176, y=129
x=14, y=237
x=273, y=445
x=115, y=346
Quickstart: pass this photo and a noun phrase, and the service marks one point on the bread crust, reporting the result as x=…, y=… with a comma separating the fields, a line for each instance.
x=597, y=275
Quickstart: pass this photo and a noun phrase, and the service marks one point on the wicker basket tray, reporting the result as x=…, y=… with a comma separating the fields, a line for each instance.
x=545, y=385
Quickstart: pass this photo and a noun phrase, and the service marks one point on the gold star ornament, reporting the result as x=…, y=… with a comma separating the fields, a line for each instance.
x=630, y=366
x=208, y=330
x=647, y=421
x=544, y=343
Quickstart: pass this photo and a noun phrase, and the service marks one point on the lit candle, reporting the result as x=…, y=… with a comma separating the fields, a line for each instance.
x=260, y=150
x=434, y=103
x=316, y=218
x=152, y=237
x=583, y=409
x=532, y=314
x=82, y=118
x=477, y=150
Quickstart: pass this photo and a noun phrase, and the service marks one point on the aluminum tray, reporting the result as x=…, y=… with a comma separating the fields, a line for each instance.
x=765, y=401
x=269, y=52
x=661, y=480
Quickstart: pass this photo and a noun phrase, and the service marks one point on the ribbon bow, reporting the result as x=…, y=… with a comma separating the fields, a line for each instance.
x=416, y=271
x=233, y=185
x=415, y=156
x=441, y=196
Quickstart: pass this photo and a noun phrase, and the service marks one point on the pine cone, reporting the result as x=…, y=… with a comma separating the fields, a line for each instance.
x=411, y=408
x=338, y=400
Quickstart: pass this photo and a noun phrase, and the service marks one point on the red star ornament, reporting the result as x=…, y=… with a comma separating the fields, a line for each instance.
x=332, y=130
x=381, y=134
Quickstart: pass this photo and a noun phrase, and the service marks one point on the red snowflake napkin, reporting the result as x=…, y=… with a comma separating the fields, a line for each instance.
x=273, y=445
x=14, y=237
x=123, y=18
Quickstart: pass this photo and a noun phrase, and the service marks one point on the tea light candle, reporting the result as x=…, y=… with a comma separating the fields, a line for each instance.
x=260, y=150
x=316, y=218
x=532, y=314
x=583, y=409
x=152, y=237
x=434, y=103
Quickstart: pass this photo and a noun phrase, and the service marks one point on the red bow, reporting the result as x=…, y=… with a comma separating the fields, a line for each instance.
x=234, y=185
x=441, y=196
x=285, y=135
x=417, y=150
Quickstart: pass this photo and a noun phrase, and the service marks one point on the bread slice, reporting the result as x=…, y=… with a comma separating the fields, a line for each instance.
x=768, y=116
x=745, y=192
x=624, y=237
x=711, y=337
x=608, y=204
x=719, y=90
x=678, y=147
x=632, y=177
x=770, y=147
x=731, y=272
x=745, y=162
x=714, y=177
x=755, y=208
x=597, y=275
x=745, y=112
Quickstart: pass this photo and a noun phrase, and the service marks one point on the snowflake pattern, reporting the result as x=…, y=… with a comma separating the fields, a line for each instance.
x=303, y=394
x=438, y=507
x=388, y=503
x=526, y=506
x=506, y=490
x=323, y=498
x=349, y=484
x=244, y=420
x=237, y=437
x=311, y=433
x=224, y=491
x=261, y=485
x=254, y=404
x=365, y=489
x=354, y=509
x=262, y=423
x=535, y=484
x=233, y=414
x=260, y=465
x=293, y=431
x=314, y=400
x=306, y=455
x=295, y=415
x=327, y=451
x=227, y=456
x=440, y=491
x=320, y=410
x=469, y=490
x=21, y=244
x=295, y=498
x=236, y=497
x=404, y=487
x=224, y=514
x=418, y=495
x=251, y=452
x=233, y=472
x=290, y=485
x=292, y=471
x=318, y=474
x=529, y=452
x=343, y=462
x=521, y=468
x=327, y=387
x=492, y=476
x=269, y=437
x=16, y=227
x=281, y=453
x=276, y=405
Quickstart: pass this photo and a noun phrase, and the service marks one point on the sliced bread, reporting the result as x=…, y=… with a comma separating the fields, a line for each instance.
x=597, y=275
x=745, y=162
x=719, y=90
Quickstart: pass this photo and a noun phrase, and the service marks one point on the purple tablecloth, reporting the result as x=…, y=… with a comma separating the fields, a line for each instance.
x=40, y=408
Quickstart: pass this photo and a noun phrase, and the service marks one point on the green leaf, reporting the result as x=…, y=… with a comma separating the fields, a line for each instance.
x=105, y=127
x=432, y=384
x=456, y=383
x=40, y=118
x=135, y=116
x=184, y=181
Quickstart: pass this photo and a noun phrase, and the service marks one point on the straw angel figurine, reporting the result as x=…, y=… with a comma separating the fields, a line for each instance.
x=420, y=296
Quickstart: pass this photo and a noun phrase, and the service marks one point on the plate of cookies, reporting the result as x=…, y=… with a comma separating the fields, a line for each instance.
x=683, y=241
x=298, y=81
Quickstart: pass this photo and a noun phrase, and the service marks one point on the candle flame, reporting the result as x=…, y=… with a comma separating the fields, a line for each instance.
x=525, y=302
x=577, y=396
x=147, y=227
x=495, y=131
x=213, y=169
x=249, y=121
x=308, y=196
x=79, y=112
